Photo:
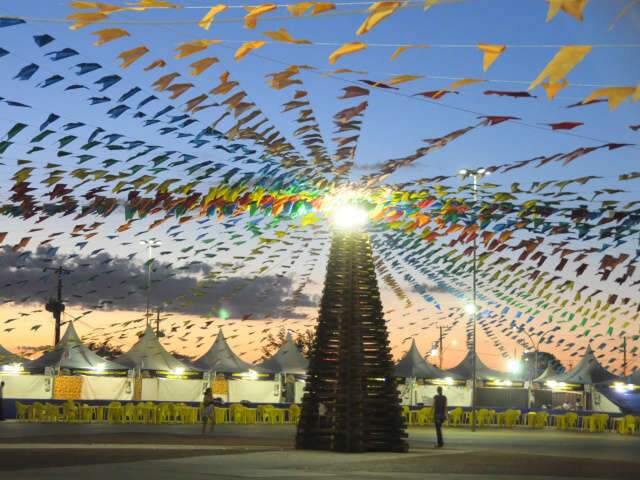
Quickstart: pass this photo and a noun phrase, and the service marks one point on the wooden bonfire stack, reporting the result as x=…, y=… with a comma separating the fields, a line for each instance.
x=351, y=403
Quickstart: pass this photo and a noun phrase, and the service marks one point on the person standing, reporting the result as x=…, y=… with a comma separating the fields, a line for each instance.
x=439, y=415
x=1, y=397
x=208, y=411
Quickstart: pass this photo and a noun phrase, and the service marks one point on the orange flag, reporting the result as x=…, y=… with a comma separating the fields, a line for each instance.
x=189, y=48
x=572, y=7
x=346, y=49
x=283, y=36
x=108, y=35
x=397, y=79
x=85, y=19
x=251, y=18
x=155, y=64
x=403, y=49
x=132, y=55
x=247, y=47
x=201, y=65
x=207, y=20
x=379, y=11
x=490, y=54
x=561, y=64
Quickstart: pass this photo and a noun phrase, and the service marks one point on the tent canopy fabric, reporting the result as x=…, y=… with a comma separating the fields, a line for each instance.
x=72, y=354
x=634, y=378
x=588, y=371
x=413, y=365
x=220, y=358
x=464, y=370
x=7, y=357
x=149, y=354
x=287, y=359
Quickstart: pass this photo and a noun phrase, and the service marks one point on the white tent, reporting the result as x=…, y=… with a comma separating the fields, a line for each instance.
x=148, y=354
x=71, y=354
x=287, y=359
x=220, y=358
x=588, y=371
x=413, y=365
x=464, y=370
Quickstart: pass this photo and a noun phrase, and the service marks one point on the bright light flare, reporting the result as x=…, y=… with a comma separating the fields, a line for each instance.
x=470, y=308
x=434, y=352
x=514, y=366
x=349, y=217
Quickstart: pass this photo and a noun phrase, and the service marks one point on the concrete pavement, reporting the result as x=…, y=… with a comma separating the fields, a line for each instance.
x=257, y=451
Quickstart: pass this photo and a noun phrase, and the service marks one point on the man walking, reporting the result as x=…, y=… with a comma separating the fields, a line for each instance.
x=439, y=415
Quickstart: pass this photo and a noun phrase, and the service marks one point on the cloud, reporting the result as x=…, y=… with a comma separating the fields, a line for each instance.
x=103, y=281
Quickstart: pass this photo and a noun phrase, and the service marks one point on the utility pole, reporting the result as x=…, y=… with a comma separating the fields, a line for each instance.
x=441, y=347
x=55, y=305
x=624, y=357
x=158, y=322
x=150, y=244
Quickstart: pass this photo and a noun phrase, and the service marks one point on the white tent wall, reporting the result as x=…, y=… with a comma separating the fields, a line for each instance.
x=149, y=391
x=256, y=391
x=107, y=388
x=177, y=390
x=603, y=404
x=456, y=396
x=299, y=391
x=34, y=387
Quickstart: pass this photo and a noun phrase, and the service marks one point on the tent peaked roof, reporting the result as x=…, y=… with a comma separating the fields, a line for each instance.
x=413, y=365
x=287, y=359
x=71, y=353
x=587, y=372
x=7, y=357
x=465, y=370
x=220, y=358
x=149, y=354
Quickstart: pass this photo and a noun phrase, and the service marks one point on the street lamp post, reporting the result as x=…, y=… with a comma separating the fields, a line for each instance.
x=536, y=349
x=150, y=244
x=475, y=175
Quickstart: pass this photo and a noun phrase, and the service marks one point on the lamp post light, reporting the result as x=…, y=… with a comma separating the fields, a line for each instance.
x=476, y=175
x=535, y=346
x=150, y=244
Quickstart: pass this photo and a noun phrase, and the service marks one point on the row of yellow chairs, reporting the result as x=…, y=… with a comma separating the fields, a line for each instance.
x=152, y=413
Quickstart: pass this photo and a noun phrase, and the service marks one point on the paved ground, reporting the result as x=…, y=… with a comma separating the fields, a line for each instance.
x=30, y=451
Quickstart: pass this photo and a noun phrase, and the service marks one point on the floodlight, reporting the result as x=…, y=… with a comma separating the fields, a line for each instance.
x=514, y=366
x=448, y=380
x=349, y=217
x=178, y=370
x=470, y=308
x=463, y=172
x=434, y=352
x=100, y=367
x=251, y=375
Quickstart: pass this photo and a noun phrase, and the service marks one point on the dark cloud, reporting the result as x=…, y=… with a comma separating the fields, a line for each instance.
x=426, y=288
x=102, y=281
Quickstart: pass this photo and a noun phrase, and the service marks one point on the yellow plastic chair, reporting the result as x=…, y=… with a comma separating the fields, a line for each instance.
x=237, y=413
x=164, y=413
x=36, y=410
x=251, y=415
x=264, y=413
x=221, y=414
x=455, y=416
x=114, y=412
x=602, y=421
x=22, y=411
x=589, y=423
x=50, y=413
x=406, y=414
x=293, y=413
x=86, y=413
x=531, y=419
x=483, y=417
x=511, y=418
x=424, y=416
x=278, y=415
x=129, y=413
x=571, y=420
x=70, y=412
x=626, y=425
x=541, y=419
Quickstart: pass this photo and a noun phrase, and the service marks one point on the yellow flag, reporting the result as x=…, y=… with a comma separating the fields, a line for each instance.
x=201, y=65
x=465, y=81
x=178, y=89
x=490, y=54
x=552, y=88
x=379, y=11
x=430, y=3
x=283, y=36
x=299, y=9
x=132, y=55
x=155, y=64
x=309, y=219
x=403, y=49
x=397, y=79
x=320, y=7
x=615, y=95
x=247, y=47
x=163, y=82
x=207, y=20
x=572, y=7
x=251, y=18
x=189, y=48
x=85, y=19
x=109, y=34
x=346, y=49
x=561, y=64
